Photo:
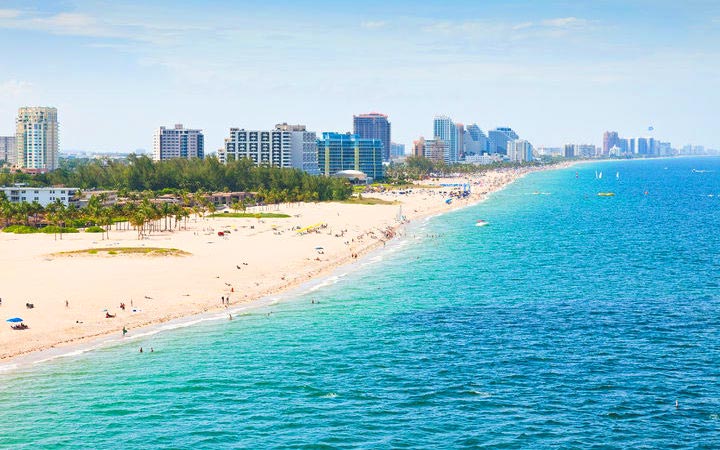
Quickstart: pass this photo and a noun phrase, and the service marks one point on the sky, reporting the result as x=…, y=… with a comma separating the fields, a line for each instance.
x=555, y=71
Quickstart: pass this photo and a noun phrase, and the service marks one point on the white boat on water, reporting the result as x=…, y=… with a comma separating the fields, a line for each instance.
x=481, y=223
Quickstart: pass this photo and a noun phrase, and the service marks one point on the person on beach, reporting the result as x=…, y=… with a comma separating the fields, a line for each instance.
x=67, y=304
x=124, y=331
x=141, y=350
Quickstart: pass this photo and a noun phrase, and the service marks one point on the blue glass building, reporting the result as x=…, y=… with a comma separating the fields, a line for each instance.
x=338, y=152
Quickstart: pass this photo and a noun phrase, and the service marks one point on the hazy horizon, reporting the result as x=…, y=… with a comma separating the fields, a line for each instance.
x=554, y=71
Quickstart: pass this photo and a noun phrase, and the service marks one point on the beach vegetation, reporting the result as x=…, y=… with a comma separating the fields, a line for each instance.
x=360, y=200
x=142, y=174
x=251, y=215
x=147, y=251
x=94, y=229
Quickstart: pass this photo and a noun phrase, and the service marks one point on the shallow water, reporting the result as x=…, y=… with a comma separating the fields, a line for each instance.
x=572, y=320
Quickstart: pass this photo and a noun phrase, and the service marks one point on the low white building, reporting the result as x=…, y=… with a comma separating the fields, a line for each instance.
x=42, y=195
x=482, y=160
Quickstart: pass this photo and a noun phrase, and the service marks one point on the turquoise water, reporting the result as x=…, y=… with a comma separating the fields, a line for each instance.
x=571, y=321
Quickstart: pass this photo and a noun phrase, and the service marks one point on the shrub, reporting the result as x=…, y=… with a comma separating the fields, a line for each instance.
x=94, y=229
x=20, y=229
x=52, y=229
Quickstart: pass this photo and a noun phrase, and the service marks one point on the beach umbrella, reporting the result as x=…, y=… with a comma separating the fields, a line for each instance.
x=14, y=320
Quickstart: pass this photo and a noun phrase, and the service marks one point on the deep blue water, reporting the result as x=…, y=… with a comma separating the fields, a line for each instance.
x=572, y=321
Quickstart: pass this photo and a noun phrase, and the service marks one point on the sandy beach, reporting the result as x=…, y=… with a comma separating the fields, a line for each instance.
x=72, y=294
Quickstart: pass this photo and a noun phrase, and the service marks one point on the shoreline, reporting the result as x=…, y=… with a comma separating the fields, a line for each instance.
x=71, y=346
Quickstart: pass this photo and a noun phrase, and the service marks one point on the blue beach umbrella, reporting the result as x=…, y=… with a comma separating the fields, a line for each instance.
x=14, y=320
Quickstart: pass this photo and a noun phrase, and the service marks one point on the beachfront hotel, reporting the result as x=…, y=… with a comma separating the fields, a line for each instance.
x=178, y=142
x=519, y=150
x=374, y=126
x=36, y=138
x=287, y=146
x=338, y=152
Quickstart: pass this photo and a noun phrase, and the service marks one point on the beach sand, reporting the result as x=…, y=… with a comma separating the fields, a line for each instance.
x=258, y=258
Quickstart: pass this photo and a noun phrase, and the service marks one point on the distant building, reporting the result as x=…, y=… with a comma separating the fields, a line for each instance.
x=340, y=152
x=42, y=195
x=499, y=138
x=550, y=151
x=397, y=150
x=445, y=129
x=303, y=148
x=475, y=141
x=178, y=142
x=36, y=138
x=460, y=141
x=519, y=150
x=8, y=150
x=419, y=148
x=437, y=150
x=610, y=140
x=641, y=144
x=580, y=151
x=374, y=126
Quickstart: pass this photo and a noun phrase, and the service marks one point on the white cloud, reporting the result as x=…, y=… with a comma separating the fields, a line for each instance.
x=564, y=22
x=9, y=13
x=14, y=88
x=522, y=25
x=374, y=24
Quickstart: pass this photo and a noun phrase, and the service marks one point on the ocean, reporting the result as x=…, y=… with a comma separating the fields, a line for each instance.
x=572, y=320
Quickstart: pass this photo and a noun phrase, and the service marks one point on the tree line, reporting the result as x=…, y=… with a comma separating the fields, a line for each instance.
x=140, y=173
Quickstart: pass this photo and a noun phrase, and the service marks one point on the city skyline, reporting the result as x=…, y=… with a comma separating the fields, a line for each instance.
x=528, y=65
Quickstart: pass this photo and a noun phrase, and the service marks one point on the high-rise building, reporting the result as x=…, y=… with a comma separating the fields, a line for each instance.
x=460, y=140
x=569, y=151
x=303, y=148
x=374, y=126
x=610, y=140
x=642, y=146
x=397, y=150
x=338, y=152
x=8, y=150
x=519, y=150
x=499, y=138
x=475, y=141
x=36, y=138
x=264, y=148
x=419, y=147
x=178, y=142
x=445, y=129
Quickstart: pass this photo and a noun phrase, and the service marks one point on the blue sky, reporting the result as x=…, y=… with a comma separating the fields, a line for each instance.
x=555, y=71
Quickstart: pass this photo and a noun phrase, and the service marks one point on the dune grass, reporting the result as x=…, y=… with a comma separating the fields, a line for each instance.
x=111, y=251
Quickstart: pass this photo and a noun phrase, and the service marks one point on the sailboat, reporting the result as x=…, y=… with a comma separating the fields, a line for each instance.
x=600, y=176
x=617, y=175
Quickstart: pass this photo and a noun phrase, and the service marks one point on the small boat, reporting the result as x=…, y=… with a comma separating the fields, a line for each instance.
x=617, y=175
x=600, y=176
x=481, y=223
x=606, y=194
